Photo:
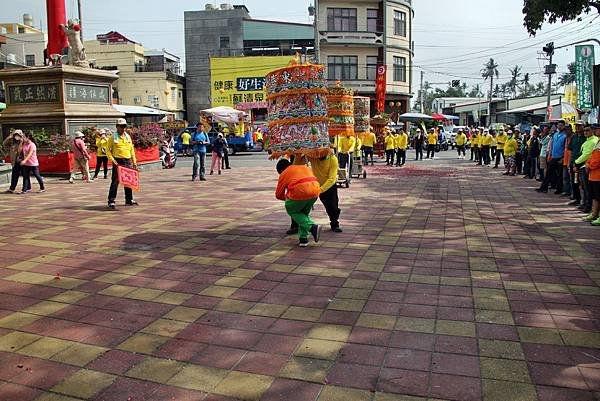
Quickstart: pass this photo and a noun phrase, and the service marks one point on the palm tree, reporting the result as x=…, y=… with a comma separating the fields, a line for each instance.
x=489, y=70
x=513, y=84
x=568, y=77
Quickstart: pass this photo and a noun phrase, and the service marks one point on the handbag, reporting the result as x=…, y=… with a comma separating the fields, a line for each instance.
x=20, y=157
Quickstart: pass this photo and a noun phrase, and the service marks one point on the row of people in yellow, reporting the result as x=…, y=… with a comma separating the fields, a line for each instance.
x=396, y=144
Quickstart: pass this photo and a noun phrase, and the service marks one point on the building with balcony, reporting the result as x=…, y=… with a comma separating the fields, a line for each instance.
x=150, y=78
x=356, y=36
x=24, y=44
x=229, y=31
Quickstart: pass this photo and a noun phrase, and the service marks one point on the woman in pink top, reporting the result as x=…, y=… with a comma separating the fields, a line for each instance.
x=30, y=165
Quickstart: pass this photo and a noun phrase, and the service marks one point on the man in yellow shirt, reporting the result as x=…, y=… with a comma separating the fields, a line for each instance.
x=501, y=139
x=401, y=145
x=432, y=140
x=390, y=148
x=185, y=141
x=346, y=146
x=120, y=151
x=326, y=170
x=461, y=142
x=369, y=141
x=486, y=145
x=473, y=144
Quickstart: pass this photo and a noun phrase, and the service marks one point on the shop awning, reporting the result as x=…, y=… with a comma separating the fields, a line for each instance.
x=443, y=117
x=140, y=110
x=541, y=106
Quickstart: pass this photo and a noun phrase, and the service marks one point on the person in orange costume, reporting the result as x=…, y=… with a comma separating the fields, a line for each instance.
x=299, y=188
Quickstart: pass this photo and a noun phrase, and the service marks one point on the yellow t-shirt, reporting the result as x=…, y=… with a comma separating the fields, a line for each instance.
x=501, y=140
x=185, y=138
x=369, y=140
x=432, y=138
x=390, y=142
x=346, y=144
x=486, y=140
x=461, y=139
x=402, y=141
x=122, y=149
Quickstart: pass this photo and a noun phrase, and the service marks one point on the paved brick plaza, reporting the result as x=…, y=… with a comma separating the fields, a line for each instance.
x=447, y=283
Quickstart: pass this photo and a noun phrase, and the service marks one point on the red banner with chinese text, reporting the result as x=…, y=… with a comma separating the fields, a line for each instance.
x=129, y=177
x=380, y=88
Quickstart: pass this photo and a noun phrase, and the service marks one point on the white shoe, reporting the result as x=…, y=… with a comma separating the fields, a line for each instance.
x=71, y=180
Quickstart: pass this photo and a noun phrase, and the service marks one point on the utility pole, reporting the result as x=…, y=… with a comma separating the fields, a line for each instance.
x=80, y=19
x=550, y=70
x=422, y=94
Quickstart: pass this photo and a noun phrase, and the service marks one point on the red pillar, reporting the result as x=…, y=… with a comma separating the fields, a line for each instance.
x=57, y=14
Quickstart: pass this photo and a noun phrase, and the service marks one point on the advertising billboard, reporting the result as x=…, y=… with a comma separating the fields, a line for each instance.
x=239, y=81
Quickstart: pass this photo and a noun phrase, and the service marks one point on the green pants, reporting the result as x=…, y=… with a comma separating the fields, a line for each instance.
x=299, y=211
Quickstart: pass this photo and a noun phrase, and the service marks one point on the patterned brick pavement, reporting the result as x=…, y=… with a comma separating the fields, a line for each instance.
x=448, y=283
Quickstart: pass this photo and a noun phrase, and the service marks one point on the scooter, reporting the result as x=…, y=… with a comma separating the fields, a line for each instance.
x=168, y=156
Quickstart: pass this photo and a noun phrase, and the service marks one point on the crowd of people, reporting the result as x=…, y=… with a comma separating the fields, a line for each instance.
x=560, y=157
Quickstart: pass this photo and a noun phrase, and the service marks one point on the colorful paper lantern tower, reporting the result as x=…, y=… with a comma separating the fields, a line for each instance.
x=362, y=115
x=340, y=108
x=297, y=114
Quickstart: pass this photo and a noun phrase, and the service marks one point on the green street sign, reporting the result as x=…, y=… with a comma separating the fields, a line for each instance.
x=584, y=60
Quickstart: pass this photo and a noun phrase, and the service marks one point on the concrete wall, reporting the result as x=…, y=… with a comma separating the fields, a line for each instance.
x=203, y=30
x=133, y=85
x=398, y=46
x=23, y=44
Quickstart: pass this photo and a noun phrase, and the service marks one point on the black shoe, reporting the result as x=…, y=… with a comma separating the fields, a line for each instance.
x=303, y=242
x=557, y=192
x=541, y=190
x=507, y=173
x=202, y=179
x=336, y=229
x=495, y=167
x=573, y=203
x=228, y=168
x=132, y=203
x=315, y=230
x=111, y=205
x=292, y=231
x=581, y=207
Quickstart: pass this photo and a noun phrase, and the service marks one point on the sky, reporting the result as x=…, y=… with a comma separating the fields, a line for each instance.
x=453, y=39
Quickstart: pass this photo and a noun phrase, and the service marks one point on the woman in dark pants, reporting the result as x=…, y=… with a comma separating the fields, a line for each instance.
x=30, y=165
x=13, y=142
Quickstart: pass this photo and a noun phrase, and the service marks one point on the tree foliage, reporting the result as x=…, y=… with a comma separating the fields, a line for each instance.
x=538, y=11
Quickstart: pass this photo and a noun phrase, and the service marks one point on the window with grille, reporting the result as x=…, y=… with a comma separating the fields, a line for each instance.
x=372, y=68
x=399, y=23
x=342, y=67
x=372, y=20
x=341, y=19
x=400, y=69
x=30, y=60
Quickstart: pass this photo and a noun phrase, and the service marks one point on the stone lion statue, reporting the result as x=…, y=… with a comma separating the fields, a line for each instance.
x=76, y=49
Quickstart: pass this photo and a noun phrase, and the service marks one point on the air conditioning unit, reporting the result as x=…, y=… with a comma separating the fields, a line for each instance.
x=137, y=99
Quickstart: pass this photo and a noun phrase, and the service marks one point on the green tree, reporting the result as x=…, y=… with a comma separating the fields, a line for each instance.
x=538, y=11
x=489, y=70
x=567, y=78
x=513, y=84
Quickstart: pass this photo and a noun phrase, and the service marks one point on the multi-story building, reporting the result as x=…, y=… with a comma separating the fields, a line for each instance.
x=24, y=45
x=356, y=36
x=216, y=33
x=148, y=78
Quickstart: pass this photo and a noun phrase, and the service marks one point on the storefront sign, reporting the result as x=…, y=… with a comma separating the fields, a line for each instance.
x=78, y=93
x=380, y=88
x=35, y=93
x=174, y=125
x=236, y=80
x=584, y=61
